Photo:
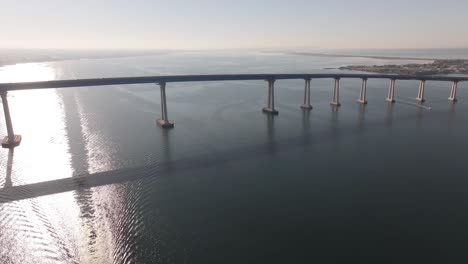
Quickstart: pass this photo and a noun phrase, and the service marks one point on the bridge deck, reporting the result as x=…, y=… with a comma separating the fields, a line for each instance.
x=202, y=78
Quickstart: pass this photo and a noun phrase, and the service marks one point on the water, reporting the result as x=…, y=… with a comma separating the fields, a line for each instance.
x=229, y=184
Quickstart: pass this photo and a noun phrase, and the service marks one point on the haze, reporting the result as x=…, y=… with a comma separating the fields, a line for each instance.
x=210, y=24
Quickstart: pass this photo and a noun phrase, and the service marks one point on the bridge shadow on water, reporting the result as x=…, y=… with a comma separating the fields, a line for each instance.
x=10, y=193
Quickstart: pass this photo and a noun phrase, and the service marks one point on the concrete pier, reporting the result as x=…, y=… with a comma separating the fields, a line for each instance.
x=420, y=97
x=336, y=93
x=363, y=93
x=306, y=105
x=164, y=121
x=270, y=109
x=11, y=140
x=453, y=92
x=391, y=92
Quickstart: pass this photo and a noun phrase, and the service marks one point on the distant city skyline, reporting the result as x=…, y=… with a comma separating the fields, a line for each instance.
x=241, y=24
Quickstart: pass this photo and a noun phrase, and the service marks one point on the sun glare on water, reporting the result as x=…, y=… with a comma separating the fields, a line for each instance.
x=26, y=72
x=39, y=116
x=43, y=156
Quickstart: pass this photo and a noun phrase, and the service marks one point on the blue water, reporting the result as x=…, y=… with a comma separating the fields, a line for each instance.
x=229, y=184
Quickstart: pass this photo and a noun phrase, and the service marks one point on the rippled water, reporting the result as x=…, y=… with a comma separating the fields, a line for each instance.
x=95, y=181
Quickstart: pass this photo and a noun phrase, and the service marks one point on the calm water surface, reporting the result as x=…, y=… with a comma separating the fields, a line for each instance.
x=229, y=184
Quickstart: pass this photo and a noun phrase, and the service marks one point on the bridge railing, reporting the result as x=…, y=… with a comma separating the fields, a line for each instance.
x=12, y=140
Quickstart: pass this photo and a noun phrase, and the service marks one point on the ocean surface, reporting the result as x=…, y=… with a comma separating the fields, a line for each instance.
x=96, y=181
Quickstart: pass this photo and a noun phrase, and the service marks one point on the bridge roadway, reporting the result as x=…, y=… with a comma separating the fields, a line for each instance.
x=218, y=77
x=12, y=140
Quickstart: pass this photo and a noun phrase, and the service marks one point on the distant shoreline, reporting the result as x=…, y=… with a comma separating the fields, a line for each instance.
x=436, y=67
x=107, y=56
x=328, y=55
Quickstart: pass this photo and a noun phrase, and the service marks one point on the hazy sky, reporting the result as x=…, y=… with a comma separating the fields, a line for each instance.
x=207, y=24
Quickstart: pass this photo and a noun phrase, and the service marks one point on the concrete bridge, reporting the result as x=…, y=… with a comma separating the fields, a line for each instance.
x=12, y=140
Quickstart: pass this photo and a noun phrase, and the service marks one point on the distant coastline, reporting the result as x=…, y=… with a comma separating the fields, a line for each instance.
x=14, y=56
x=377, y=57
x=437, y=67
x=427, y=66
x=431, y=67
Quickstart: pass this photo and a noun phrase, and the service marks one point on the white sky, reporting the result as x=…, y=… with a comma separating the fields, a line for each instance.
x=208, y=24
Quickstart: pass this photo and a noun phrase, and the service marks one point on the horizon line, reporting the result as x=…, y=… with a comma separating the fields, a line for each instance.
x=223, y=49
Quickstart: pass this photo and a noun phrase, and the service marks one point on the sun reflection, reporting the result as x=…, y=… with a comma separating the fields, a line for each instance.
x=67, y=226
x=38, y=115
x=26, y=72
x=44, y=155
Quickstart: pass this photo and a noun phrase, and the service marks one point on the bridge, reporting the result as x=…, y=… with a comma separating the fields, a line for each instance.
x=12, y=140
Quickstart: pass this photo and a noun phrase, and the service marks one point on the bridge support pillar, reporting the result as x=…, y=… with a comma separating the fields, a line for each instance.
x=11, y=140
x=336, y=93
x=270, y=109
x=307, y=105
x=363, y=94
x=164, y=121
x=391, y=92
x=453, y=92
x=420, y=97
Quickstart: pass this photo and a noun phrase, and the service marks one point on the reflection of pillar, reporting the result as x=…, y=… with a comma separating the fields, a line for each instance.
x=419, y=111
x=361, y=115
x=420, y=97
x=271, y=133
x=363, y=94
x=453, y=92
x=334, y=123
x=451, y=114
x=389, y=114
x=306, y=105
x=391, y=92
x=11, y=140
x=270, y=109
x=9, y=167
x=166, y=144
x=306, y=126
x=451, y=107
x=164, y=121
x=336, y=93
